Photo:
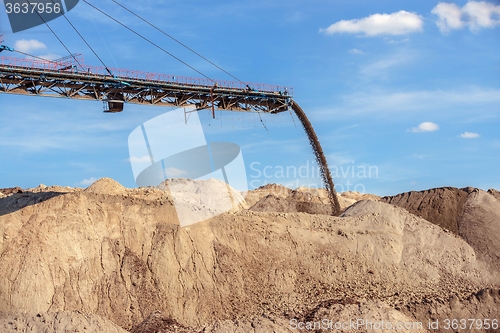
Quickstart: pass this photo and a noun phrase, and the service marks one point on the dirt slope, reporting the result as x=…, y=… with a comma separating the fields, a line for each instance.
x=120, y=254
x=12, y=190
x=484, y=304
x=277, y=198
x=494, y=193
x=253, y=196
x=479, y=225
x=473, y=214
x=60, y=322
x=441, y=206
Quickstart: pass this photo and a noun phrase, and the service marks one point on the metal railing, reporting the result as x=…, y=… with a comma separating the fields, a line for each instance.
x=70, y=65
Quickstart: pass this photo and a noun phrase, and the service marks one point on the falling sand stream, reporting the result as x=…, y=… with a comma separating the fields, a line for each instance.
x=320, y=157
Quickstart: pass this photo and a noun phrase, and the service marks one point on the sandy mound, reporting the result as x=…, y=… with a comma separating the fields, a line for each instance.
x=54, y=188
x=330, y=315
x=11, y=190
x=106, y=186
x=253, y=196
x=15, y=202
x=273, y=203
x=60, y=322
x=124, y=257
x=442, y=206
x=472, y=214
x=494, y=193
x=484, y=304
x=277, y=198
x=479, y=225
x=200, y=200
x=201, y=192
x=376, y=316
x=157, y=322
x=291, y=204
x=357, y=196
x=345, y=199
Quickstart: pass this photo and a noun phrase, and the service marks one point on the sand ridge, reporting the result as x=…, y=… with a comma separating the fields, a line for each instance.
x=121, y=255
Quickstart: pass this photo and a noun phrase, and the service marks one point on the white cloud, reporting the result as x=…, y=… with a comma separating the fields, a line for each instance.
x=469, y=135
x=450, y=16
x=87, y=182
x=475, y=15
x=174, y=172
x=25, y=45
x=356, y=51
x=393, y=41
x=465, y=101
x=482, y=14
x=340, y=158
x=142, y=159
x=399, y=23
x=379, y=68
x=426, y=126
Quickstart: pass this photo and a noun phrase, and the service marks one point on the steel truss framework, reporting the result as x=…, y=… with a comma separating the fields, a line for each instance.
x=65, y=81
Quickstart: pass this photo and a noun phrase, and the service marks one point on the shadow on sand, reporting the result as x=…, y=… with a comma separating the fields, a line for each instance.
x=17, y=201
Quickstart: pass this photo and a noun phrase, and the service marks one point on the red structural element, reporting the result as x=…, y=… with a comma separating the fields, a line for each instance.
x=72, y=65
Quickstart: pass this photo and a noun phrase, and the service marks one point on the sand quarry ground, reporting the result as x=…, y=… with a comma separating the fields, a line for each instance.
x=111, y=259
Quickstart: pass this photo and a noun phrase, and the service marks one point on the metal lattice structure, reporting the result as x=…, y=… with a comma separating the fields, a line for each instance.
x=69, y=78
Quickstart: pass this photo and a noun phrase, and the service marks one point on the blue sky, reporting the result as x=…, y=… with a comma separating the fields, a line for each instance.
x=403, y=95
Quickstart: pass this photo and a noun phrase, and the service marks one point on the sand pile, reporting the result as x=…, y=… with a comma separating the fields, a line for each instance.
x=125, y=258
x=494, y=193
x=357, y=196
x=253, y=196
x=277, y=198
x=473, y=214
x=479, y=225
x=60, y=322
x=106, y=186
x=204, y=192
x=291, y=204
x=15, y=202
x=442, y=206
x=199, y=200
x=11, y=190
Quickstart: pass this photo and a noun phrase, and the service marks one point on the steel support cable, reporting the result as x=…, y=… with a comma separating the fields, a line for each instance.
x=85, y=41
x=53, y=32
x=177, y=41
x=33, y=56
x=148, y=40
x=190, y=49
